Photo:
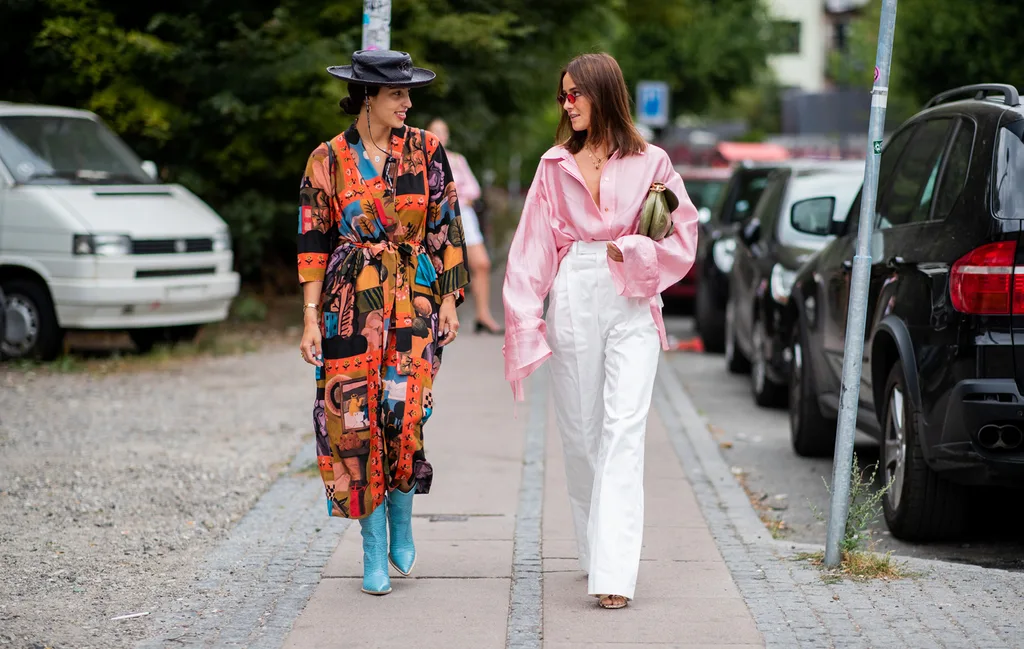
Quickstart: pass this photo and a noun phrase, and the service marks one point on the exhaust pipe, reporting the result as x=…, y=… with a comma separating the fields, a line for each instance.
x=1000, y=437
x=1011, y=436
x=989, y=436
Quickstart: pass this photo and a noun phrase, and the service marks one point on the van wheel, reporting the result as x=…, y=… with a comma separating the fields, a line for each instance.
x=920, y=505
x=32, y=331
x=811, y=433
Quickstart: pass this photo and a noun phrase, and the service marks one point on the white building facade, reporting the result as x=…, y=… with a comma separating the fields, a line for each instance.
x=808, y=31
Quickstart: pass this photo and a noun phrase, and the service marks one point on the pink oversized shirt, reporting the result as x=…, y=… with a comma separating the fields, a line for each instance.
x=559, y=211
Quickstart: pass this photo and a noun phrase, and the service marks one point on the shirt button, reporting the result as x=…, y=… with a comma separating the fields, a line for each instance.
x=606, y=209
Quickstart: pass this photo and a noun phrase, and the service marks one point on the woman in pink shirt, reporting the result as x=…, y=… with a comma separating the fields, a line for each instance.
x=577, y=243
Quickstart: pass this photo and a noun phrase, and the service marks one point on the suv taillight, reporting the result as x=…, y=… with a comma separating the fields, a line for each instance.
x=983, y=281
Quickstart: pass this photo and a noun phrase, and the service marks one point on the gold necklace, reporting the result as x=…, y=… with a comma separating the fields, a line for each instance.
x=596, y=160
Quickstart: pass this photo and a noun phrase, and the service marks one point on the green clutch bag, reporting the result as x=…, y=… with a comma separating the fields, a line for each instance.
x=656, y=213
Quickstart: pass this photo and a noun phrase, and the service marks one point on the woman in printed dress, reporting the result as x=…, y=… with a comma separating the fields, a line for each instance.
x=578, y=243
x=382, y=266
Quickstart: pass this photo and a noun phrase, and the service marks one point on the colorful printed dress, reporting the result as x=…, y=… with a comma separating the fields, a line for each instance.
x=388, y=249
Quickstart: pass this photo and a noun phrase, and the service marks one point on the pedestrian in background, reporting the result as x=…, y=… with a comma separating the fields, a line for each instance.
x=382, y=266
x=579, y=242
x=476, y=251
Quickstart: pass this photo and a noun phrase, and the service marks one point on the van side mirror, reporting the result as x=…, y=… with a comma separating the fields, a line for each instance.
x=150, y=168
x=837, y=228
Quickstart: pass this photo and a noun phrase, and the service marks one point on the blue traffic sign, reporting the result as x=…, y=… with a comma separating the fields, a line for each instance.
x=652, y=100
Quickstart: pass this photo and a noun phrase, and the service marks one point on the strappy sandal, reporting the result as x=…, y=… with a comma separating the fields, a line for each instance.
x=612, y=601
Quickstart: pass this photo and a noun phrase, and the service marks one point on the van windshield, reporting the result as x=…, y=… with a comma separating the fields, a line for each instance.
x=1008, y=197
x=49, y=150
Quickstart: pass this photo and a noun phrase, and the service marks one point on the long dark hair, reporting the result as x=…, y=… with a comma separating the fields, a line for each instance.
x=599, y=78
x=357, y=94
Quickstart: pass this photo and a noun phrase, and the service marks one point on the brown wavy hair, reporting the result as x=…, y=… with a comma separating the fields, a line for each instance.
x=599, y=78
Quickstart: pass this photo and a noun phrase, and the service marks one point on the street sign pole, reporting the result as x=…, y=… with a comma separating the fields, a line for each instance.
x=376, y=24
x=853, y=354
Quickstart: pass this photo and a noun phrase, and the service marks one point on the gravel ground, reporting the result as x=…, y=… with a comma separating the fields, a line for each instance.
x=113, y=488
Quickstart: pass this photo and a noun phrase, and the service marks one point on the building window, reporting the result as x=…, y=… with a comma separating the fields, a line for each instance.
x=787, y=37
x=840, y=36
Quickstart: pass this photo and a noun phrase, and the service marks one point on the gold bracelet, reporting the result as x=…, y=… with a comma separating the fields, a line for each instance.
x=310, y=305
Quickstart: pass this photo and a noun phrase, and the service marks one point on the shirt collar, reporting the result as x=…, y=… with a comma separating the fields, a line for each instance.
x=561, y=153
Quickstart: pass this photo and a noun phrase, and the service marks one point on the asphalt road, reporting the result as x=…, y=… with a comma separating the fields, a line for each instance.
x=755, y=442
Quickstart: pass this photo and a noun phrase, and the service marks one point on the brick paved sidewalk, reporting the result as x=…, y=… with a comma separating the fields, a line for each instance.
x=945, y=605
x=497, y=565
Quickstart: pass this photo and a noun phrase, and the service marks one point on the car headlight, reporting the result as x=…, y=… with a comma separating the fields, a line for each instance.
x=782, y=283
x=222, y=241
x=104, y=245
x=724, y=252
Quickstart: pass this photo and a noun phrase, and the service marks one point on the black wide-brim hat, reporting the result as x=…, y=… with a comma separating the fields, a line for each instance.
x=383, y=68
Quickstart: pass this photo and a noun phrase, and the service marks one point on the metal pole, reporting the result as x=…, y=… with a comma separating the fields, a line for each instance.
x=853, y=354
x=376, y=24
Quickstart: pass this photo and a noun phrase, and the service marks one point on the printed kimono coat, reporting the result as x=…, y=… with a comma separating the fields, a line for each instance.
x=388, y=247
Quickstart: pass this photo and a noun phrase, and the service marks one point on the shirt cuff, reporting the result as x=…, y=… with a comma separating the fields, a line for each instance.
x=524, y=352
x=637, y=274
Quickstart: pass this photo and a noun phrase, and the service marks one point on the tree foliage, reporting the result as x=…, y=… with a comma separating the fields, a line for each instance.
x=230, y=96
x=938, y=45
x=704, y=49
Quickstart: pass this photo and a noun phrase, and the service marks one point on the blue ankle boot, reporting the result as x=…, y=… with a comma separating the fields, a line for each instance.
x=403, y=552
x=375, y=553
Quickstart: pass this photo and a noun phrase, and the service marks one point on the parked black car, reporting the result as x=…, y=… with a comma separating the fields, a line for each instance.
x=792, y=221
x=944, y=344
x=715, y=244
x=715, y=248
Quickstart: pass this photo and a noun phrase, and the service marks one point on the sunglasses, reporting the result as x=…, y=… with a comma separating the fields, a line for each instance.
x=571, y=96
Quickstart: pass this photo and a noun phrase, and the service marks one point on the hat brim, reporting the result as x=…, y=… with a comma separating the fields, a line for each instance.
x=420, y=77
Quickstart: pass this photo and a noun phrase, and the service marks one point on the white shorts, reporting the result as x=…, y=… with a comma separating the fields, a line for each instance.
x=471, y=226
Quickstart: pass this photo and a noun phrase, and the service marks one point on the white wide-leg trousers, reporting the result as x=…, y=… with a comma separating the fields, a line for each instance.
x=605, y=356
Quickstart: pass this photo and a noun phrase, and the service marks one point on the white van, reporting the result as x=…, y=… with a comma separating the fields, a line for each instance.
x=90, y=240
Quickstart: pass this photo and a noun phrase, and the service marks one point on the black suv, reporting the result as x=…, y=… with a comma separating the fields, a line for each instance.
x=944, y=345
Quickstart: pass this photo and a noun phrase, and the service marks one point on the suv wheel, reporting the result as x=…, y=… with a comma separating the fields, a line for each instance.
x=31, y=330
x=811, y=433
x=919, y=504
x=735, y=361
x=767, y=393
x=709, y=324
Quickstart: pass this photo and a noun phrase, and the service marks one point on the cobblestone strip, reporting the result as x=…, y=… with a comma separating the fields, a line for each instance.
x=526, y=605
x=257, y=581
x=946, y=605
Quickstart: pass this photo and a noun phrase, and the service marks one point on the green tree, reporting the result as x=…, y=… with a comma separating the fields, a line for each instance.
x=230, y=96
x=704, y=49
x=938, y=45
